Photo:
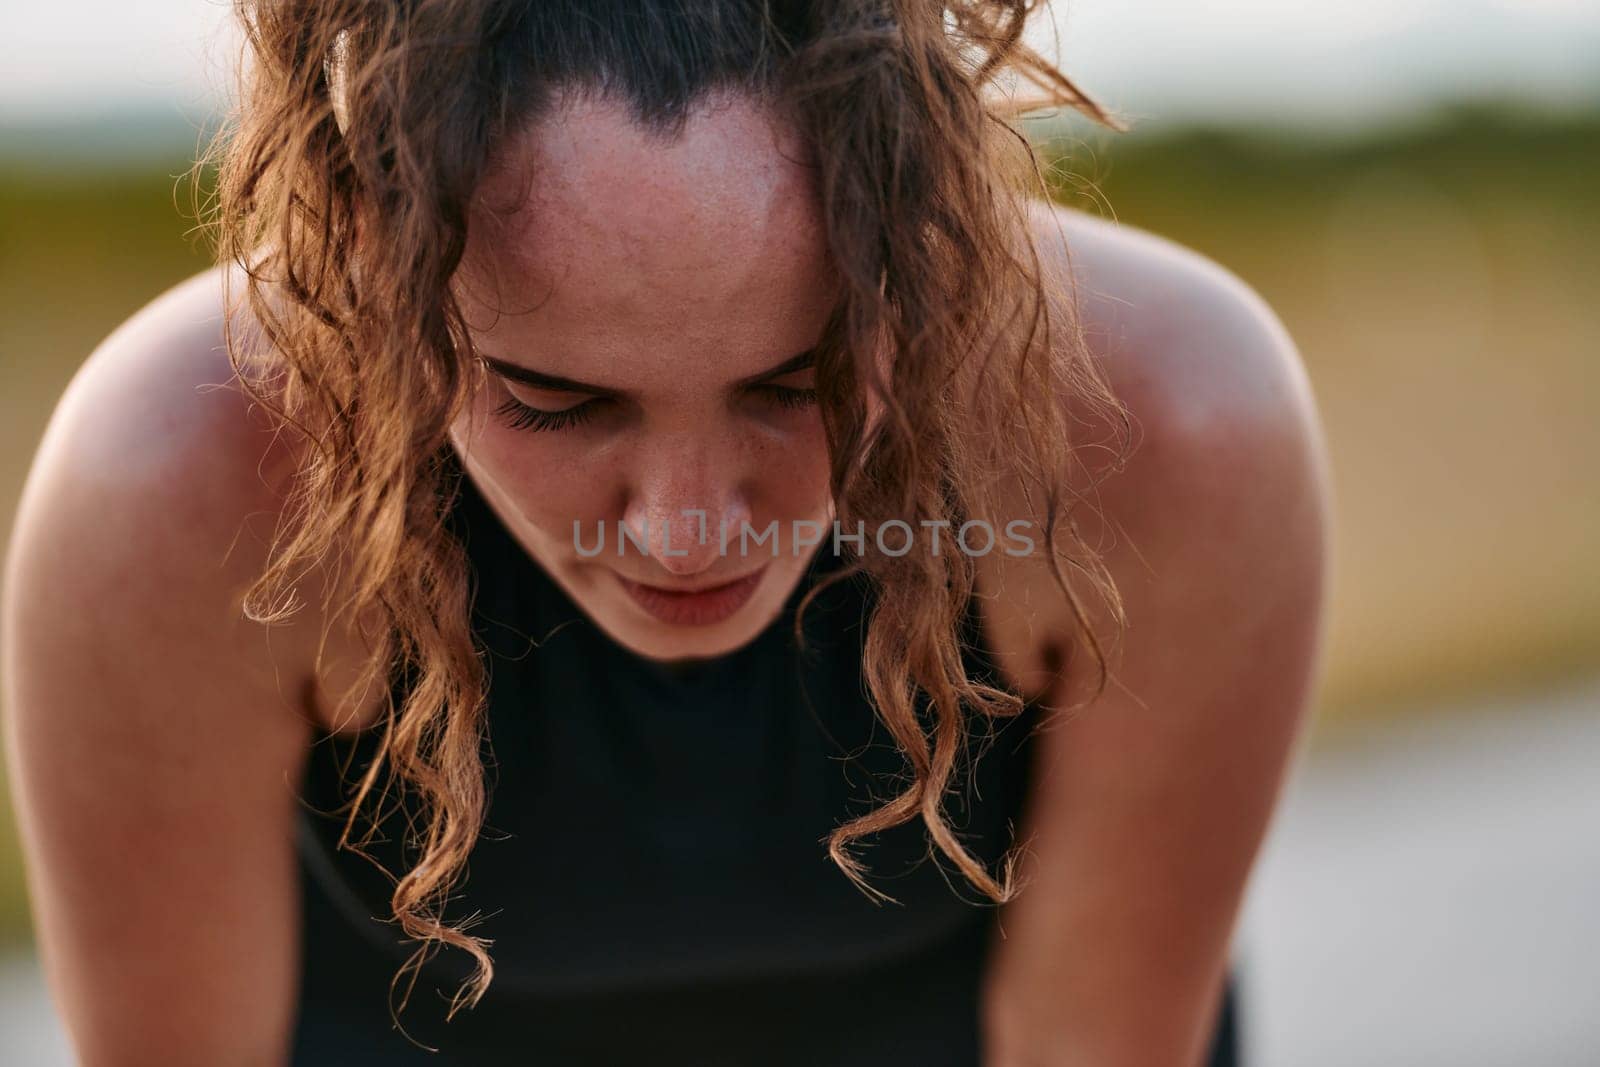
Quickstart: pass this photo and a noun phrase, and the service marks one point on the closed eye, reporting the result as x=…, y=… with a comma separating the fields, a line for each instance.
x=789, y=396
x=519, y=416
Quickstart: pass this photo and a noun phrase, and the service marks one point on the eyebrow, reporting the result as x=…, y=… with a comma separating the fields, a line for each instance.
x=539, y=380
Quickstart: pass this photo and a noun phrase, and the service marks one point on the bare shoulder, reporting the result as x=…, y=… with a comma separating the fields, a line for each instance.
x=1184, y=341
x=1162, y=782
x=155, y=735
x=155, y=492
x=155, y=408
x=152, y=453
x=1227, y=452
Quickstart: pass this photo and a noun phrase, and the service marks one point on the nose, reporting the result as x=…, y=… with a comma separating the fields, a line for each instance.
x=685, y=494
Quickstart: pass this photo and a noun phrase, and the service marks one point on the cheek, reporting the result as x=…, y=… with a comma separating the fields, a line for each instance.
x=546, y=476
x=793, y=480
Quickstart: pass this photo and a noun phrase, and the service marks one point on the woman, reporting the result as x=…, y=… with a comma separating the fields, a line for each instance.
x=572, y=637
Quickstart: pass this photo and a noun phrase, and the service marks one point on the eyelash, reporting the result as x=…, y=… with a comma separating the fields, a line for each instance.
x=520, y=416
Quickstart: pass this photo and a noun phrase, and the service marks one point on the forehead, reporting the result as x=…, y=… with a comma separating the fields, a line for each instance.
x=601, y=237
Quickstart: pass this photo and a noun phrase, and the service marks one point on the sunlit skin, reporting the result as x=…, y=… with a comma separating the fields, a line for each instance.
x=154, y=730
x=674, y=289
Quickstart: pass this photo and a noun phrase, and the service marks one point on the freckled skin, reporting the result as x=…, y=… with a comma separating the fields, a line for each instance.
x=667, y=271
x=152, y=728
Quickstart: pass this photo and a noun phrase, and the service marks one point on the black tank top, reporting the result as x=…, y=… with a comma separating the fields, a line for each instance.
x=652, y=870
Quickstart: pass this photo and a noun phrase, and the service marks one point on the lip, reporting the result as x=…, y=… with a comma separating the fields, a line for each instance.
x=697, y=607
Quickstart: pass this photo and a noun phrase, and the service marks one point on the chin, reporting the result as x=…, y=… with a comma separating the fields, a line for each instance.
x=672, y=648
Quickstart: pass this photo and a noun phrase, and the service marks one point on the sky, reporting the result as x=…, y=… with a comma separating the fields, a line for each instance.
x=1151, y=60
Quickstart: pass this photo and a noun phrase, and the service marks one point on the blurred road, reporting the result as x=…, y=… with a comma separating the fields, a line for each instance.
x=1431, y=897
x=1428, y=897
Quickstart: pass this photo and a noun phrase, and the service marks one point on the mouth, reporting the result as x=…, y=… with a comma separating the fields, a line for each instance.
x=693, y=590
x=702, y=605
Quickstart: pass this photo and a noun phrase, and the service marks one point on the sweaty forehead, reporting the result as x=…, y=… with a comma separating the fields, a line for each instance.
x=595, y=219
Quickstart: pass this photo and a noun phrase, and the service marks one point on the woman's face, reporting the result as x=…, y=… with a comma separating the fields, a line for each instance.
x=647, y=314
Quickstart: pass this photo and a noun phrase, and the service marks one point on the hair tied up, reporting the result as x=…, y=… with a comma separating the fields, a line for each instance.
x=335, y=68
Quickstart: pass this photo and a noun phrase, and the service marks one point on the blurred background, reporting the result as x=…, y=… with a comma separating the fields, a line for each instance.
x=1411, y=184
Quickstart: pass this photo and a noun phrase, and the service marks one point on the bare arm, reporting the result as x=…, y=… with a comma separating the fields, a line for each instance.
x=1151, y=803
x=154, y=753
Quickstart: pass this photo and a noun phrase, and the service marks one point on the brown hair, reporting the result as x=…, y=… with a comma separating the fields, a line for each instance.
x=922, y=177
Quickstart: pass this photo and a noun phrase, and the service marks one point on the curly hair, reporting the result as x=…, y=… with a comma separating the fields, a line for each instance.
x=357, y=118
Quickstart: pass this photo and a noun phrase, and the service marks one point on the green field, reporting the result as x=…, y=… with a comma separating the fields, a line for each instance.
x=1439, y=280
x=1440, y=283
